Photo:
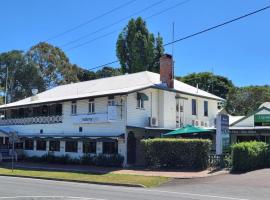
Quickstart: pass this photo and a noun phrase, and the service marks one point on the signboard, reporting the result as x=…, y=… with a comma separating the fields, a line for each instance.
x=222, y=133
x=90, y=119
x=262, y=118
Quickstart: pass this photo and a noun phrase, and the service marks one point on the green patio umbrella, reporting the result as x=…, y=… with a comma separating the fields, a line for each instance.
x=189, y=129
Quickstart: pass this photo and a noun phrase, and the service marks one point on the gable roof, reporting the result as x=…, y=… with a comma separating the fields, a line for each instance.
x=253, y=113
x=122, y=84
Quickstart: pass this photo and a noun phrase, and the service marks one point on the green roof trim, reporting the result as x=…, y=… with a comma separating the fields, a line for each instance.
x=253, y=113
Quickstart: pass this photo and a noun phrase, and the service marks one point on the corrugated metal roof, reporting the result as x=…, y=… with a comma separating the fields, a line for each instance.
x=106, y=86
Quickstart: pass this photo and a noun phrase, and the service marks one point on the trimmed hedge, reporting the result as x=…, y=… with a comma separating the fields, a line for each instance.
x=86, y=159
x=247, y=156
x=183, y=153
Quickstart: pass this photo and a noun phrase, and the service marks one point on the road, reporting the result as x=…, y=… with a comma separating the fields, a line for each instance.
x=254, y=185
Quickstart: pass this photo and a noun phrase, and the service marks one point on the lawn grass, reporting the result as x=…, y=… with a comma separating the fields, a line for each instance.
x=147, y=181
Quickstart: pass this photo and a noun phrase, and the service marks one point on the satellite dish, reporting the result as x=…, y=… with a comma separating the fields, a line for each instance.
x=34, y=91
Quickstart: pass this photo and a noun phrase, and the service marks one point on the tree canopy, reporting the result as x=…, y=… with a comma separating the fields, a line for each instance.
x=137, y=49
x=207, y=81
x=245, y=100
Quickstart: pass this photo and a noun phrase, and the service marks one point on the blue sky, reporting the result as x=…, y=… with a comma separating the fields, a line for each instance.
x=240, y=51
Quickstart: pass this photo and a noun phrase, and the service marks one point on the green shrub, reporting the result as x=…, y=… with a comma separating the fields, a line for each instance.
x=108, y=160
x=183, y=153
x=86, y=159
x=248, y=156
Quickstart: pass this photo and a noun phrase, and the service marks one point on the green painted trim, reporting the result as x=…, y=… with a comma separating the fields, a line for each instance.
x=253, y=113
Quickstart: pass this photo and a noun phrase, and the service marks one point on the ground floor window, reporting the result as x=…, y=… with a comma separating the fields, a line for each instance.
x=29, y=145
x=71, y=146
x=110, y=147
x=41, y=145
x=19, y=145
x=54, y=145
x=89, y=146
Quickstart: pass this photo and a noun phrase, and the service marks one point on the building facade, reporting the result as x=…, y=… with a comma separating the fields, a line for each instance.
x=107, y=116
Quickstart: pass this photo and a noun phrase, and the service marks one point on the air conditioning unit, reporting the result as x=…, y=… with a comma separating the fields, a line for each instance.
x=153, y=121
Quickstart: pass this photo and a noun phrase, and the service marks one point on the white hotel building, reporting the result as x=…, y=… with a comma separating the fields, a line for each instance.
x=108, y=115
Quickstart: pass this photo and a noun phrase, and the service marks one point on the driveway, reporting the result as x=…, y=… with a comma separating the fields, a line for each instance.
x=253, y=185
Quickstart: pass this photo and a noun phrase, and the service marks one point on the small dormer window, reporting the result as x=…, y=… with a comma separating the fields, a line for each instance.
x=73, y=107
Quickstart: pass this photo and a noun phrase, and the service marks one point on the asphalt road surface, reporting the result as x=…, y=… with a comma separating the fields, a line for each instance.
x=254, y=185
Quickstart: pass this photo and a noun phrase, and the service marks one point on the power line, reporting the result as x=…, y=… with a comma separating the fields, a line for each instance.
x=112, y=32
x=112, y=24
x=217, y=26
x=200, y=32
x=90, y=20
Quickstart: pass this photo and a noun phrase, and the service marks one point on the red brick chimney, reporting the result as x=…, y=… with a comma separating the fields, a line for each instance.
x=166, y=70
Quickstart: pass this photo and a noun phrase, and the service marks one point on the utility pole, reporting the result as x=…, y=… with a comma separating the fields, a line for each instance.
x=6, y=84
x=173, y=50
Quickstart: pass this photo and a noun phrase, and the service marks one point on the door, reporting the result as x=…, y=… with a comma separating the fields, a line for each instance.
x=131, y=148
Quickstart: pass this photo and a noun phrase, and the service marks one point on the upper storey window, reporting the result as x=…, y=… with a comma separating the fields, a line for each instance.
x=111, y=101
x=194, y=106
x=91, y=106
x=205, y=106
x=73, y=107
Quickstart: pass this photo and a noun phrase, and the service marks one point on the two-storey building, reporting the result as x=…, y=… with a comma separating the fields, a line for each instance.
x=108, y=115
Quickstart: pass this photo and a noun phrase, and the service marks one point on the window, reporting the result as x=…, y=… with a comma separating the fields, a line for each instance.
x=140, y=103
x=41, y=145
x=54, y=145
x=205, y=106
x=91, y=106
x=181, y=108
x=111, y=101
x=74, y=108
x=19, y=145
x=110, y=147
x=80, y=129
x=89, y=147
x=28, y=144
x=71, y=146
x=194, y=107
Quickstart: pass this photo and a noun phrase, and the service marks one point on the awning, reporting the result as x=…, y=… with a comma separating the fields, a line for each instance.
x=142, y=96
x=189, y=129
x=73, y=137
x=6, y=131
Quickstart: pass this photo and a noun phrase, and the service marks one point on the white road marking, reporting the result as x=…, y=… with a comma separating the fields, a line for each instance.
x=63, y=197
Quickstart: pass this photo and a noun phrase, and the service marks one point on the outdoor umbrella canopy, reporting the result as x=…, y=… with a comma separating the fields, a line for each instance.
x=187, y=130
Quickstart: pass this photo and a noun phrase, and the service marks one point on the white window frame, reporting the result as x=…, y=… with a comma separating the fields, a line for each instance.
x=73, y=108
x=140, y=103
x=111, y=102
x=91, y=106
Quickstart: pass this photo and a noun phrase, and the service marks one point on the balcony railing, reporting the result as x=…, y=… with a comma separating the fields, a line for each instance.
x=32, y=120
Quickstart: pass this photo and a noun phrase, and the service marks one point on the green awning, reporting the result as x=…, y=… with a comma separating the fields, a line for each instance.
x=142, y=96
x=189, y=129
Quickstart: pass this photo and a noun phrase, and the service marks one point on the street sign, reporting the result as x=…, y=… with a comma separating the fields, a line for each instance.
x=222, y=133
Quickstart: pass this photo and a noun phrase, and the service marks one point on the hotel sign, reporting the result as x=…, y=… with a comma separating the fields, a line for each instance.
x=90, y=119
x=262, y=118
x=222, y=133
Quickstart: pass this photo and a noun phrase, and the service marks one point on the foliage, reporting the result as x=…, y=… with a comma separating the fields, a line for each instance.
x=183, y=153
x=215, y=84
x=52, y=64
x=137, y=49
x=86, y=159
x=107, y=72
x=244, y=100
x=248, y=156
x=22, y=75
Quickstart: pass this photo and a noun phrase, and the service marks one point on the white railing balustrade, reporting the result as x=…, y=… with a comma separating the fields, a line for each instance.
x=32, y=120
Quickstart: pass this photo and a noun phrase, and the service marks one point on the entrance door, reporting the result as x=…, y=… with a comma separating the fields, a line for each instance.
x=131, y=148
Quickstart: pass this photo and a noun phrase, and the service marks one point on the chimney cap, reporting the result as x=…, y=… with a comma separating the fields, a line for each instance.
x=167, y=55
